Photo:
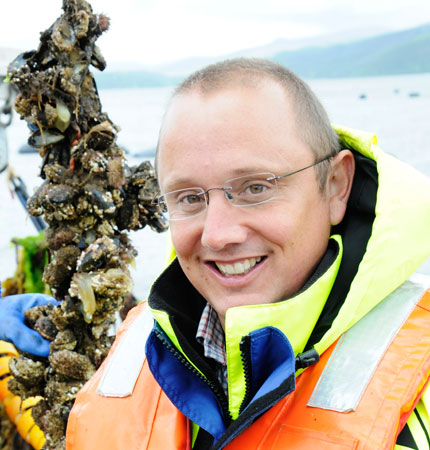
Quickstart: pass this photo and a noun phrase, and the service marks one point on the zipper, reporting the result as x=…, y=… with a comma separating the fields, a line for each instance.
x=303, y=360
x=245, y=356
x=214, y=387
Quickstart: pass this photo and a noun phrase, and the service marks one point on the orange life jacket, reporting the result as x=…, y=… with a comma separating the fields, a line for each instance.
x=145, y=420
x=148, y=420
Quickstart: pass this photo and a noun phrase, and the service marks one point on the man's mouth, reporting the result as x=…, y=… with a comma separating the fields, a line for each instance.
x=238, y=268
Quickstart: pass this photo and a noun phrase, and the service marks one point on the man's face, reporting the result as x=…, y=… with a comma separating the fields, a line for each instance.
x=273, y=247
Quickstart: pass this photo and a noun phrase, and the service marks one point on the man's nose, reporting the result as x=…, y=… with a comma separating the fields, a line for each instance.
x=222, y=223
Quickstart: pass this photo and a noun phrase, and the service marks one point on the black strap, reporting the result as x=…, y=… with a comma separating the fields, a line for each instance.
x=406, y=439
x=203, y=441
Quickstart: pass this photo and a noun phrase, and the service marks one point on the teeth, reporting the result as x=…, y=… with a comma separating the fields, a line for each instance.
x=239, y=268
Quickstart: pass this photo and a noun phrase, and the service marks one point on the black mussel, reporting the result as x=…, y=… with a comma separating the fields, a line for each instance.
x=20, y=61
x=96, y=255
x=97, y=59
x=34, y=203
x=101, y=201
x=149, y=190
x=46, y=328
x=127, y=216
x=101, y=136
x=60, y=194
x=79, y=72
x=38, y=139
x=54, y=171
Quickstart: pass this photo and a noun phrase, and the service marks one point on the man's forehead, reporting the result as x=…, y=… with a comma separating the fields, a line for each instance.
x=246, y=86
x=186, y=106
x=255, y=124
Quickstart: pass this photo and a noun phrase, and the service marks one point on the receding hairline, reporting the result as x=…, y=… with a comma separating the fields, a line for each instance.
x=237, y=73
x=310, y=117
x=207, y=86
x=217, y=78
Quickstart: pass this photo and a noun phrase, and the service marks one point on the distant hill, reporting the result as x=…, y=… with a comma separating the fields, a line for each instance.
x=386, y=54
x=186, y=66
x=392, y=53
x=389, y=54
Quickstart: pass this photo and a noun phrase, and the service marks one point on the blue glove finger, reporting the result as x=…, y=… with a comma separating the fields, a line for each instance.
x=28, y=340
x=23, y=302
x=12, y=322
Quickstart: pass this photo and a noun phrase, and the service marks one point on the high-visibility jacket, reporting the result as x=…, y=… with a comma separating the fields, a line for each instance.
x=385, y=237
x=147, y=419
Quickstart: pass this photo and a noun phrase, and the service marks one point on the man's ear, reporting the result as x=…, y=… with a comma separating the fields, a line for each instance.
x=339, y=184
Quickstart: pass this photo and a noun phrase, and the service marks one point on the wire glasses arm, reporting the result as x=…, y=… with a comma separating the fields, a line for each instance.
x=301, y=170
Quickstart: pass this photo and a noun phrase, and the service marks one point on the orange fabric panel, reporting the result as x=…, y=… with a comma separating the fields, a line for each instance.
x=145, y=420
x=294, y=438
x=390, y=397
x=148, y=420
x=425, y=301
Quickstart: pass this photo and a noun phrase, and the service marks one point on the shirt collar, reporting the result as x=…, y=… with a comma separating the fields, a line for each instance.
x=211, y=335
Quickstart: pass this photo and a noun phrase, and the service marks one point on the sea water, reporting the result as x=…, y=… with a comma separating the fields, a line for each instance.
x=396, y=108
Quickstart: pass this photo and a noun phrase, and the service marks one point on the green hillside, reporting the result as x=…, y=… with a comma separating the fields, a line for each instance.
x=390, y=54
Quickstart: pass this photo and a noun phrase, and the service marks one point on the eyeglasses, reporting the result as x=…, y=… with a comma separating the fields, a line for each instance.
x=247, y=190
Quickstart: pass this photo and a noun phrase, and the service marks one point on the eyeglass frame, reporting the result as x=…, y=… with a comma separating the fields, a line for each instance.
x=159, y=199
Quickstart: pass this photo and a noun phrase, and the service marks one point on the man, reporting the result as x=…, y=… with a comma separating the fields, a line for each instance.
x=287, y=234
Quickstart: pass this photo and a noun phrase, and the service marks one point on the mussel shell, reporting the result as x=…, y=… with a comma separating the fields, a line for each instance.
x=100, y=201
x=26, y=371
x=46, y=328
x=49, y=137
x=101, y=249
x=21, y=60
x=97, y=59
x=127, y=216
x=72, y=364
x=79, y=72
x=149, y=190
x=34, y=203
x=60, y=193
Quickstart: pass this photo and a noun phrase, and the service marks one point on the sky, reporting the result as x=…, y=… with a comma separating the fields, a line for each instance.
x=153, y=32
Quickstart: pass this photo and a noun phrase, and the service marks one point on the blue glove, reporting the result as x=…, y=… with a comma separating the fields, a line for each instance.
x=12, y=322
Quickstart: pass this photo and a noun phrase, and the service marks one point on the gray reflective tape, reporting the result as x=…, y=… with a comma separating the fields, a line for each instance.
x=121, y=374
x=359, y=350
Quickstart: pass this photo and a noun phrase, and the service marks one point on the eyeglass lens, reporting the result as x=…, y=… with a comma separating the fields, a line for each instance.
x=247, y=190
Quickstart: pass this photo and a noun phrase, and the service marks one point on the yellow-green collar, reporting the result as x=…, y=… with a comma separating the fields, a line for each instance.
x=295, y=317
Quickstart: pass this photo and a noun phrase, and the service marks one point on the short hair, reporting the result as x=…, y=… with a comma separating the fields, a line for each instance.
x=311, y=118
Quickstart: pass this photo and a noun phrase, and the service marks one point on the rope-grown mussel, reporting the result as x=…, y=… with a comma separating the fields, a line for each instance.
x=89, y=198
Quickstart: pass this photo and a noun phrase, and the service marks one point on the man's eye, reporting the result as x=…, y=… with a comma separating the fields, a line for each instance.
x=191, y=199
x=255, y=189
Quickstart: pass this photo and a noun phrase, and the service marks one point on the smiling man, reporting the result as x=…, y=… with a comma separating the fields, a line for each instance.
x=245, y=136
x=290, y=316
x=287, y=233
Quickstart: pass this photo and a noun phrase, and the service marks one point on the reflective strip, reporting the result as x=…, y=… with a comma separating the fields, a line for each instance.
x=121, y=373
x=359, y=350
